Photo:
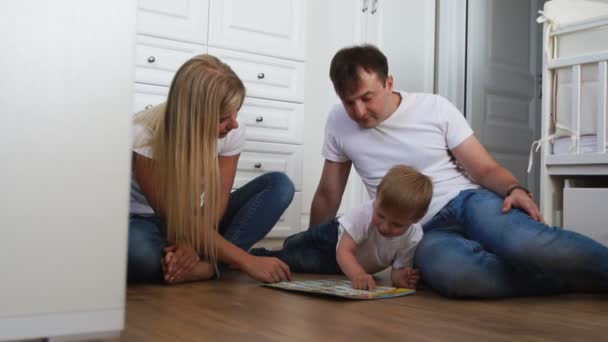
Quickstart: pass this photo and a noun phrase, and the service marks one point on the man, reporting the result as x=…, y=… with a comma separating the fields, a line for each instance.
x=483, y=233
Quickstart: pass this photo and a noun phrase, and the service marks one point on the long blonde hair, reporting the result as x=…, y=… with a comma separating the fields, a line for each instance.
x=184, y=140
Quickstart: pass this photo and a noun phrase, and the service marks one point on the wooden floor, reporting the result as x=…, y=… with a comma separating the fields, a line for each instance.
x=236, y=308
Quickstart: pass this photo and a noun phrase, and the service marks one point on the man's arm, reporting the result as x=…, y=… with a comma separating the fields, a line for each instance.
x=485, y=171
x=329, y=192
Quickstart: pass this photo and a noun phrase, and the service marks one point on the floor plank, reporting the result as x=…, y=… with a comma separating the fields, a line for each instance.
x=236, y=308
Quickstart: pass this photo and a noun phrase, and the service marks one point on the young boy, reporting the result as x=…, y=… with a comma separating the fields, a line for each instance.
x=380, y=233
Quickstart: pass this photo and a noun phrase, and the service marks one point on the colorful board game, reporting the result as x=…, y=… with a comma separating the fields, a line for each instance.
x=340, y=288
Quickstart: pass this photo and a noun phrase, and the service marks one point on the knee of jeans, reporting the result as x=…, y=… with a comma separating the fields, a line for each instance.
x=283, y=187
x=144, y=259
x=445, y=273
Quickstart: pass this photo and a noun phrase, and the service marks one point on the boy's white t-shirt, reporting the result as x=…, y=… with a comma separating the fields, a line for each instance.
x=420, y=133
x=374, y=251
x=230, y=145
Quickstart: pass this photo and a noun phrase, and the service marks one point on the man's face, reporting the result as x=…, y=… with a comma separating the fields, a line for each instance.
x=371, y=103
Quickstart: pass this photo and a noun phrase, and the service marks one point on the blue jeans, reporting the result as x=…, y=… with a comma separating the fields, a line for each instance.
x=471, y=249
x=251, y=213
x=310, y=251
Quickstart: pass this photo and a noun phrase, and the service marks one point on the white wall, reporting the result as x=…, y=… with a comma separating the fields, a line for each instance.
x=66, y=90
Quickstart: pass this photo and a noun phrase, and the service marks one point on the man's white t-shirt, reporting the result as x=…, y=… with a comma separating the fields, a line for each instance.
x=420, y=133
x=230, y=145
x=374, y=251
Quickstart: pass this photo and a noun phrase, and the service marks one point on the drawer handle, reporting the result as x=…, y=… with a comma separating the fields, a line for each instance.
x=261, y=76
x=148, y=107
x=257, y=165
x=259, y=119
x=151, y=59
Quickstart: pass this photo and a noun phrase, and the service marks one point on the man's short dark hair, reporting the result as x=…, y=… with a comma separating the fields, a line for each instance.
x=346, y=64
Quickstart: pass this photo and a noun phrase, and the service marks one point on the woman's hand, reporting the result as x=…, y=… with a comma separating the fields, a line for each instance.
x=266, y=269
x=179, y=262
x=364, y=281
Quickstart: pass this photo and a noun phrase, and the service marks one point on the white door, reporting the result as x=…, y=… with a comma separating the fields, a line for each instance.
x=183, y=20
x=271, y=27
x=405, y=32
x=502, y=101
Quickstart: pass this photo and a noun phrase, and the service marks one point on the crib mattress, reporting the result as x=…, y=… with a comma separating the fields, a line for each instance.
x=565, y=145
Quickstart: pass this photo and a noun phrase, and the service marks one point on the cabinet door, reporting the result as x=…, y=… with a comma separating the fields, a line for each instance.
x=258, y=158
x=270, y=27
x=405, y=32
x=184, y=20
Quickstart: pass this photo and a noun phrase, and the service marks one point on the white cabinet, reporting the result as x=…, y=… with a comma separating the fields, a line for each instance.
x=267, y=27
x=263, y=41
x=405, y=32
x=181, y=20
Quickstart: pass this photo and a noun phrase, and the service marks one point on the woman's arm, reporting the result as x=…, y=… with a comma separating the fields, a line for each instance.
x=345, y=255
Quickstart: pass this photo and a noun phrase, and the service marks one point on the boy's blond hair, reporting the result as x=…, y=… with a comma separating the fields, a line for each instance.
x=405, y=189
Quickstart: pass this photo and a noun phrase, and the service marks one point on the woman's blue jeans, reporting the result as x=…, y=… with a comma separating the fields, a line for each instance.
x=471, y=249
x=251, y=213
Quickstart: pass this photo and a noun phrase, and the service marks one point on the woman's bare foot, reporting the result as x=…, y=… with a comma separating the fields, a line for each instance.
x=201, y=271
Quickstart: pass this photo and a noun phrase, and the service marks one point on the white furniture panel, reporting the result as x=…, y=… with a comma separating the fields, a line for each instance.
x=269, y=27
x=289, y=223
x=65, y=136
x=266, y=77
x=584, y=211
x=259, y=157
x=157, y=60
x=272, y=121
x=183, y=20
x=147, y=96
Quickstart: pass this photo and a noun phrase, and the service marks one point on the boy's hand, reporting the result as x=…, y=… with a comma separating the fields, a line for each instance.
x=408, y=278
x=364, y=281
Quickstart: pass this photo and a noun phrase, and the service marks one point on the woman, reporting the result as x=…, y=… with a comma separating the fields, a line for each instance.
x=185, y=224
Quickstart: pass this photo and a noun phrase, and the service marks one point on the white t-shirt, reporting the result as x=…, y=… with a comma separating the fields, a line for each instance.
x=230, y=145
x=374, y=251
x=420, y=133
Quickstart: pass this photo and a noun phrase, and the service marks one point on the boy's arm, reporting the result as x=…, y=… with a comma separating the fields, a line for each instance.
x=345, y=256
x=405, y=277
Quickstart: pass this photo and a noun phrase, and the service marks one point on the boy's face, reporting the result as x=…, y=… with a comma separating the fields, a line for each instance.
x=371, y=103
x=390, y=223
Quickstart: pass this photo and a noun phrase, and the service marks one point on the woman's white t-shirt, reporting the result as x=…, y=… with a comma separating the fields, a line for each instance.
x=230, y=145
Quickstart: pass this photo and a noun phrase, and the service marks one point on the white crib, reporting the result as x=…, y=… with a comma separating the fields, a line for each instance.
x=574, y=158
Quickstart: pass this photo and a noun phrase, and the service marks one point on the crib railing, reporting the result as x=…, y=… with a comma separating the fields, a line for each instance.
x=575, y=63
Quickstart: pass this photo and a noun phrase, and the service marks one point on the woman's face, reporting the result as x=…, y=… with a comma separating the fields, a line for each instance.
x=227, y=123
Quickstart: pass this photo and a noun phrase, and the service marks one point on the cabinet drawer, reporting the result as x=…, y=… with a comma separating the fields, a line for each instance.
x=584, y=209
x=184, y=20
x=290, y=223
x=258, y=158
x=148, y=95
x=157, y=60
x=272, y=121
x=269, y=27
x=266, y=77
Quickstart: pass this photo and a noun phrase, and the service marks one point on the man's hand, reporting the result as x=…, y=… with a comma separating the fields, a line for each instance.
x=364, y=281
x=178, y=262
x=520, y=199
x=406, y=278
x=267, y=269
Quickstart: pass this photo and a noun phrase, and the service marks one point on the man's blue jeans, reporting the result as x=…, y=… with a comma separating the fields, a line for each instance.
x=251, y=213
x=471, y=249
x=310, y=251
